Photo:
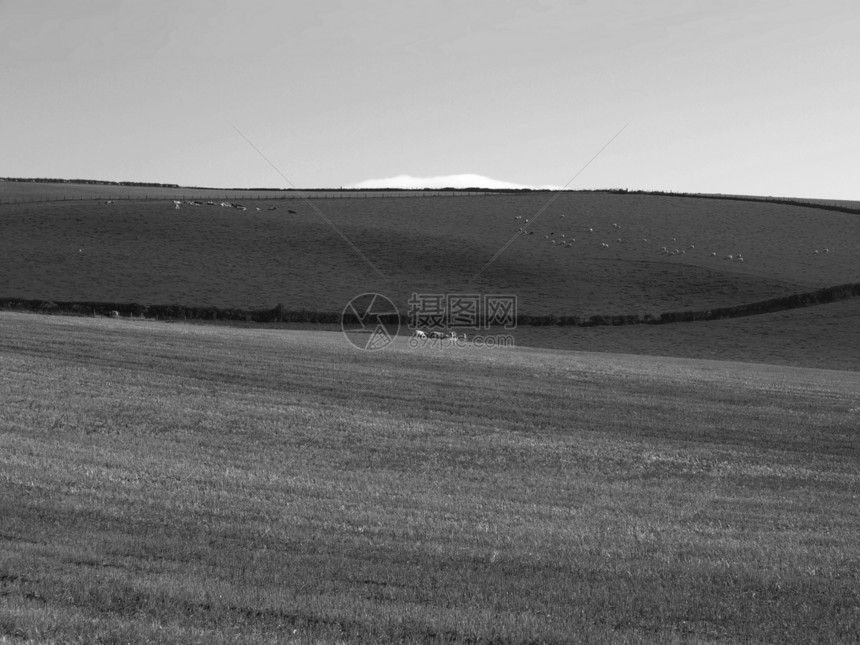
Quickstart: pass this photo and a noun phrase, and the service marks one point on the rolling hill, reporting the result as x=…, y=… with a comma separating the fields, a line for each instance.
x=316, y=250
x=204, y=483
x=200, y=484
x=329, y=250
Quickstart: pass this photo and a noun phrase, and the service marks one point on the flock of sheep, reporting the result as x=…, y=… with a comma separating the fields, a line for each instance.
x=178, y=202
x=438, y=335
x=562, y=240
x=565, y=240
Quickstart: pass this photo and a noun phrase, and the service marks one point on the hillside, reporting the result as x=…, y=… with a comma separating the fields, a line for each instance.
x=196, y=484
x=823, y=336
x=146, y=251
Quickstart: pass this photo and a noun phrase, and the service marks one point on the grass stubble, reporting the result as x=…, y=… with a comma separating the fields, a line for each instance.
x=176, y=483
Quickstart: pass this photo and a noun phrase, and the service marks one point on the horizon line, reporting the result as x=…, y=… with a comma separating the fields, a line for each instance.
x=524, y=189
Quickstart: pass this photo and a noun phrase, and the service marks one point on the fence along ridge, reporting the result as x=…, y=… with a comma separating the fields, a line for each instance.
x=345, y=194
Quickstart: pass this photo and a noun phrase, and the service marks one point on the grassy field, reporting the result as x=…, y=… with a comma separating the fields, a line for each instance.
x=824, y=336
x=214, y=484
x=176, y=483
x=147, y=252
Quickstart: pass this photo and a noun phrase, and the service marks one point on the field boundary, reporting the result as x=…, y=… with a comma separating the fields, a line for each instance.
x=186, y=193
x=281, y=314
x=303, y=194
x=107, y=191
x=782, y=201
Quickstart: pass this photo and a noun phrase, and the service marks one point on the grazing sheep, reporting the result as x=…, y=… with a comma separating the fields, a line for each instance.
x=176, y=203
x=420, y=334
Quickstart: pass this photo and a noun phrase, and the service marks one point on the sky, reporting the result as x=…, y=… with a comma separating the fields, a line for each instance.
x=738, y=97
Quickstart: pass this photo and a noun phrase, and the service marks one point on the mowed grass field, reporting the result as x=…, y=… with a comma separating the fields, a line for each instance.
x=177, y=483
x=145, y=251
x=825, y=336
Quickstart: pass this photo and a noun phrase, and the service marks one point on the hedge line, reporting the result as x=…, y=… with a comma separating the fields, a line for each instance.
x=794, y=301
x=283, y=315
x=169, y=312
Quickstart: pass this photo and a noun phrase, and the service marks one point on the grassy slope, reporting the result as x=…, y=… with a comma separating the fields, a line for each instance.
x=823, y=336
x=145, y=251
x=167, y=483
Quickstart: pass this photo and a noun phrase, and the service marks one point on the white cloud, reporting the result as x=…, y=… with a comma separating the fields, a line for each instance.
x=444, y=181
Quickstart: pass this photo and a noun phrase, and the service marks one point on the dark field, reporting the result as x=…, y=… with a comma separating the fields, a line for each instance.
x=147, y=252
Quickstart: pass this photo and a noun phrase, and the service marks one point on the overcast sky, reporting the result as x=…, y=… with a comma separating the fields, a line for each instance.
x=744, y=96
